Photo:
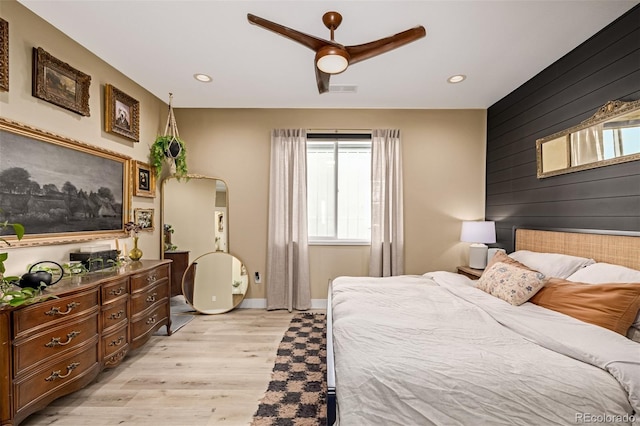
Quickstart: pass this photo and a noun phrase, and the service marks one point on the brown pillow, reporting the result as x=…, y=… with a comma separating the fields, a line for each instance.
x=502, y=257
x=613, y=306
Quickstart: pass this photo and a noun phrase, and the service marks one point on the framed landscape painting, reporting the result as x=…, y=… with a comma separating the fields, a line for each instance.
x=60, y=189
x=57, y=82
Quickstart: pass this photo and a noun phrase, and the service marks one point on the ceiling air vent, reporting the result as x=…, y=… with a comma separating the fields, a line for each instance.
x=343, y=88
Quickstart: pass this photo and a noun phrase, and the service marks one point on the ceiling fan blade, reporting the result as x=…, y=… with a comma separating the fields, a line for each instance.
x=313, y=43
x=322, y=78
x=361, y=52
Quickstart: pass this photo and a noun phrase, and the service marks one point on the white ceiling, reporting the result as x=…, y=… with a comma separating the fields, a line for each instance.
x=160, y=45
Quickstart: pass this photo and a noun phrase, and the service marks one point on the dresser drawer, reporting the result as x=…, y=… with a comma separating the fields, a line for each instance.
x=148, y=321
x=60, y=377
x=40, y=348
x=146, y=299
x=144, y=279
x=114, y=315
x=114, y=342
x=45, y=314
x=115, y=289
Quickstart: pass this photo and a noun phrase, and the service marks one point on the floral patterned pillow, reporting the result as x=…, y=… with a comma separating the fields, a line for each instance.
x=510, y=283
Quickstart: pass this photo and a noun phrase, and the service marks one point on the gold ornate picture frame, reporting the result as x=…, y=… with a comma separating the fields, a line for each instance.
x=76, y=192
x=144, y=180
x=57, y=82
x=144, y=218
x=121, y=113
x=4, y=55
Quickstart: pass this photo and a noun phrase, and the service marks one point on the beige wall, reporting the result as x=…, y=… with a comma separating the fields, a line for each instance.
x=26, y=31
x=443, y=154
x=444, y=180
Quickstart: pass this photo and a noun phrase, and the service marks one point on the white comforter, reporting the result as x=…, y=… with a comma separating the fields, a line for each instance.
x=421, y=350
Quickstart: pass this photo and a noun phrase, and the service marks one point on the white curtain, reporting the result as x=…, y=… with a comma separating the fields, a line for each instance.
x=288, y=283
x=387, y=223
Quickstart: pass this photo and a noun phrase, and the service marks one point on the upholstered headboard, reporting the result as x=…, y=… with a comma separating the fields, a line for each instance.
x=617, y=247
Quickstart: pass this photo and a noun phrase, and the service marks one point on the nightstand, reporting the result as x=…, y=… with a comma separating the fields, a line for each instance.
x=472, y=273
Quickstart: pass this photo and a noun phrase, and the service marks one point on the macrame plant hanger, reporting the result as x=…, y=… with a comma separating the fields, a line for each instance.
x=171, y=129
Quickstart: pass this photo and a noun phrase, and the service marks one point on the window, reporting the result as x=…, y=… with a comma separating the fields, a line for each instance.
x=339, y=188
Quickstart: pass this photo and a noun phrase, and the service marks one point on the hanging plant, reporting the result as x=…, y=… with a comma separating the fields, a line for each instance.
x=169, y=148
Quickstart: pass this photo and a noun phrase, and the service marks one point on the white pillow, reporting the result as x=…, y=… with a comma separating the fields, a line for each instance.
x=551, y=264
x=603, y=273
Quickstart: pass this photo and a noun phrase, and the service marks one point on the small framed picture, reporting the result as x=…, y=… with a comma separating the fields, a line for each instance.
x=121, y=113
x=144, y=218
x=4, y=55
x=59, y=83
x=144, y=180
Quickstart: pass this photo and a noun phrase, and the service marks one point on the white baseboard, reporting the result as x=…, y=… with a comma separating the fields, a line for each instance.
x=262, y=304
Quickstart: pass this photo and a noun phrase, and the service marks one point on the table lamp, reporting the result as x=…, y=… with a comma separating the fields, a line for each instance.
x=478, y=233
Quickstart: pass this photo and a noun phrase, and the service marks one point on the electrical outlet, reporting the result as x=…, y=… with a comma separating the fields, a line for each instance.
x=258, y=279
x=213, y=298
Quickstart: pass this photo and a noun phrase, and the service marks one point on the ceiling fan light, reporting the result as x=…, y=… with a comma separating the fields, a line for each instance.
x=332, y=60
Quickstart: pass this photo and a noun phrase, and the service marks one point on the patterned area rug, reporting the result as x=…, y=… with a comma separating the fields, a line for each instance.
x=297, y=393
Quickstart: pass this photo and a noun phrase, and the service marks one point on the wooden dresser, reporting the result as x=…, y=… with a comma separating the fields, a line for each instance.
x=56, y=347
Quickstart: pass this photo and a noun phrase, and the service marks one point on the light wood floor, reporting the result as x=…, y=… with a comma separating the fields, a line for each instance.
x=213, y=371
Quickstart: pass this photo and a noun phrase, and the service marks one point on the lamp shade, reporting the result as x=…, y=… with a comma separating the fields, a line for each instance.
x=478, y=232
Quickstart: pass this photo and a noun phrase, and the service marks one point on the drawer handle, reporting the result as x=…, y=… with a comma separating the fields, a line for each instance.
x=152, y=298
x=117, y=342
x=116, y=315
x=152, y=320
x=115, y=358
x=56, y=310
x=117, y=292
x=151, y=279
x=55, y=375
x=55, y=341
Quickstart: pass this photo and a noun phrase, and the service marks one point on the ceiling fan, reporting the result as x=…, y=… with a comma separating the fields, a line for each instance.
x=332, y=57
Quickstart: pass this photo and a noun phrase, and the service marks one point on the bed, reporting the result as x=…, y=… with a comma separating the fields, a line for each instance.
x=435, y=349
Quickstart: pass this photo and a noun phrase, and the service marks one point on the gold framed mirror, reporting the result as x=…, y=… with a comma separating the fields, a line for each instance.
x=215, y=283
x=610, y=136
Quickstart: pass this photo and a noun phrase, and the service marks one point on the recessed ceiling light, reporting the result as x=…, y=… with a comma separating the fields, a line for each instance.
x=203, y=78
x=456, y=78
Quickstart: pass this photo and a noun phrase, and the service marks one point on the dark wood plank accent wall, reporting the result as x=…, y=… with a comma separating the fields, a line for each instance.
x=605, y=67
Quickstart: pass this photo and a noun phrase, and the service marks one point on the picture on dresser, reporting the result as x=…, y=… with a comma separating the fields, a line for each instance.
x=60, y=189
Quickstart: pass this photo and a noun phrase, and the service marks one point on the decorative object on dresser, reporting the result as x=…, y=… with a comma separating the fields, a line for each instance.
x=78, y=210
x=144, y=180
x=57, y=82
x=472, y=273
x=121, y=113
x=133, y=228
x=180, y=263
x=169, y=148
x=4, y=55
x=477, y=233
x=53, y=348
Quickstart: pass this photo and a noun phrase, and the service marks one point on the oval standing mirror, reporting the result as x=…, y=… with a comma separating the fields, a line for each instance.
x=195, y=219
x=215, y=283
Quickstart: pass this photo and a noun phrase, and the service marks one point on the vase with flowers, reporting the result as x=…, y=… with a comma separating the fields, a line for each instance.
x=133, y=228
